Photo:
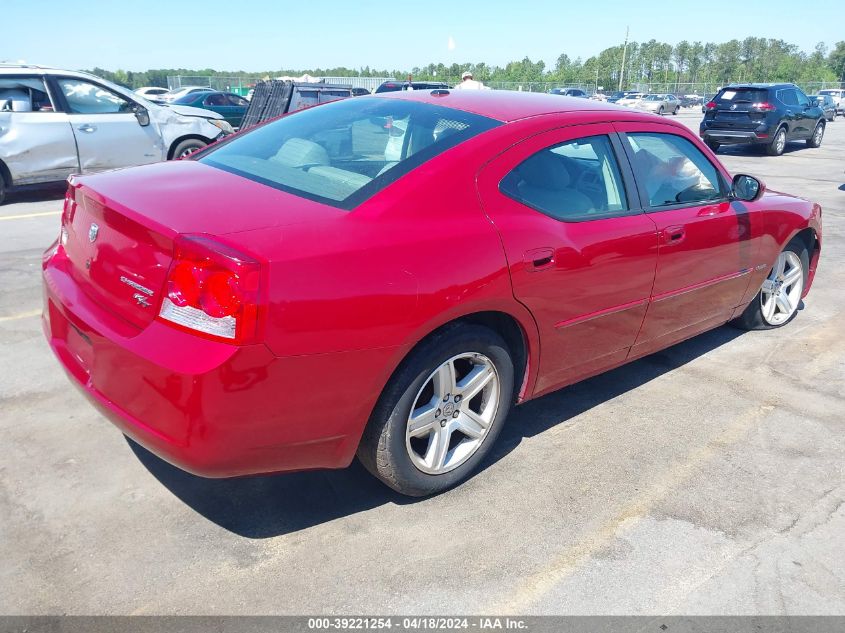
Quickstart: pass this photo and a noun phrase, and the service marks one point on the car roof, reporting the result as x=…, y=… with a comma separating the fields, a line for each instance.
x=761, y=86
x=503, y=105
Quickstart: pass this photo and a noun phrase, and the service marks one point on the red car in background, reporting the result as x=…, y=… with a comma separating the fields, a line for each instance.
x=386, y=276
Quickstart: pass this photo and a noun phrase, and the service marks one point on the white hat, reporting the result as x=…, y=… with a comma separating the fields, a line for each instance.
x=466, y=74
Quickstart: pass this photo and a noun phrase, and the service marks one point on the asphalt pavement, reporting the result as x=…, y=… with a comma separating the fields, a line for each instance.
x=705, y=479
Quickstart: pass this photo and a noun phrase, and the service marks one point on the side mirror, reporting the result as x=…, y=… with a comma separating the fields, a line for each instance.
x=143, y=116
x=747, y=188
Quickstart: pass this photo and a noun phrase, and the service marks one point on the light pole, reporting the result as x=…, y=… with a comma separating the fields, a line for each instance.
x=624, y=53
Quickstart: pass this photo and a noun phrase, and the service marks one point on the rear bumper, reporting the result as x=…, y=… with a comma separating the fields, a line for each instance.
x=727, y=137
x=210, y=408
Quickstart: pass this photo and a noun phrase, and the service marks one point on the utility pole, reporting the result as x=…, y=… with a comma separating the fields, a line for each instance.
x=624, y=54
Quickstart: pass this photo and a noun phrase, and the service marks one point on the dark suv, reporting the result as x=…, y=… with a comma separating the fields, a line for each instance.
x=764, y=114
x=394, y=86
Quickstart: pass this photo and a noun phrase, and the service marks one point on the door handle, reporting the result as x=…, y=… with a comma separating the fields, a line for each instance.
x=87, y=128
x=674, y=235
x=539, y=259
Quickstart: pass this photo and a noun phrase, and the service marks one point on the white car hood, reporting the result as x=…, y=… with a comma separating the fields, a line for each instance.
x=191, y=111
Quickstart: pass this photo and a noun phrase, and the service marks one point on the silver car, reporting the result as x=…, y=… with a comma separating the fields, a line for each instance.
x=54, y=123
x=659, y=104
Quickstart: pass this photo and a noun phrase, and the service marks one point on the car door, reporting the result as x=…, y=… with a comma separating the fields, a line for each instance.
x=107, y=132
x=581, y=252
x=36, y=141
x=707, y=243
x=808, y=112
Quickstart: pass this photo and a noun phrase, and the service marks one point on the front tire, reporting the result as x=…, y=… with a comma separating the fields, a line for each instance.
x=776, y=304
x=818, y=134
x=441, y=412
x=188, y=147
x=660, y=111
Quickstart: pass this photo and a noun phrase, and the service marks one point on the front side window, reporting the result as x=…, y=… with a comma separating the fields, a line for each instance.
x=84, y=97
x=344, y=152
x=672, y=170
x=24, y=94
x=574, y=181
x=802, y=98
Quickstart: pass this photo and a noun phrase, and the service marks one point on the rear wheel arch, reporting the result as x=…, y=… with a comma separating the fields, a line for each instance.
x=5, y=181
x=6, y=175
x=521, y=345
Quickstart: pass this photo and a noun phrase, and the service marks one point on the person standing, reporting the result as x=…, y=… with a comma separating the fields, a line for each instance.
x=468, y=83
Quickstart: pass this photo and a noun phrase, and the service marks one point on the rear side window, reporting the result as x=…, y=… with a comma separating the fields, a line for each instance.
x=24, y=94
x=788, y=97
x=344, y=152
x=729, y=96
x=673, y=171
x=574, y=181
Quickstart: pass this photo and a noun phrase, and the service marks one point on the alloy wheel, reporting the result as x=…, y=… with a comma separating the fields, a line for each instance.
x=780, y=141
x=452, y=413
x=781, y=291
x=817, y=135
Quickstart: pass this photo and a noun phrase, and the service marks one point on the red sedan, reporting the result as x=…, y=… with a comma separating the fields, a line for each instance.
x=386, y=276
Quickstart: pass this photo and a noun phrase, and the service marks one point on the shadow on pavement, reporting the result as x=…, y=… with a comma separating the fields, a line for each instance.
x=40, y=193
x=271, y=505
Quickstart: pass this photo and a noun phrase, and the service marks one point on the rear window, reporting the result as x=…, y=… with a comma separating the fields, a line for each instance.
x=344, y=152
x=741, y=95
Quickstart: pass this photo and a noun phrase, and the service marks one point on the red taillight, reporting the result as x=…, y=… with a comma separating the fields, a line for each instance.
x=764, y=107
x=68, y=209
x=213, y=290
x=710, y=105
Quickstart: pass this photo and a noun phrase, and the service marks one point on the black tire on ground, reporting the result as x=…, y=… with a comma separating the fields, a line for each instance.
x=775, y=147
x=660, y=110
x=713, y=145
x=675, y=111
x=2, y=189
x=752, y=317
x=383, y=450
x=816, y=139
x=188, y=146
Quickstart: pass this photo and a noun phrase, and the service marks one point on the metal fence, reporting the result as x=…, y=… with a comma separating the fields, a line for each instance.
x=241, y=85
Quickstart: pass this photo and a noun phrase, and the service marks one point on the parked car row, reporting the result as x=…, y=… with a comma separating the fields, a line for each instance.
x=54, y=123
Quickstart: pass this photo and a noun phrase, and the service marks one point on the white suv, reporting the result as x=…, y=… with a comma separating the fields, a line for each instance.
x=54, y=123
x=838, y=95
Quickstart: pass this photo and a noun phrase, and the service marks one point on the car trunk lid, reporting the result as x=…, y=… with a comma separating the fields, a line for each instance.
x=121, y=232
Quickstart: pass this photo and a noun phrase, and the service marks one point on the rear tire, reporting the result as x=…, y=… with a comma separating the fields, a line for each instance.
x=188, y=147
x=779, y=298
x=450, y=432
x=675, y=112
x=818, y=134
x=776, y=146
x=660, y=111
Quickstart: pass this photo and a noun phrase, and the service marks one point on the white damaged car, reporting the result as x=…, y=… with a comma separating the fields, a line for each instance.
x=54, y=123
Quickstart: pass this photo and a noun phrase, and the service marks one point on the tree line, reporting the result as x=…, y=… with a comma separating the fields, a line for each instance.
x=751, y=59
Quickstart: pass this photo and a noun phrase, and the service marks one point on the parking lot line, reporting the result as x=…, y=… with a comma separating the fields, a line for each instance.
x=29, y=215
x=532, y=588
x=21, y=315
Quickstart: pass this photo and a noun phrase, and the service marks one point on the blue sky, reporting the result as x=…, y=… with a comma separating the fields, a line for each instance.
x=257, y=35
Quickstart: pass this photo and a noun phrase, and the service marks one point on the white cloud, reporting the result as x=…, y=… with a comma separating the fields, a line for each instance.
x=451, y=43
